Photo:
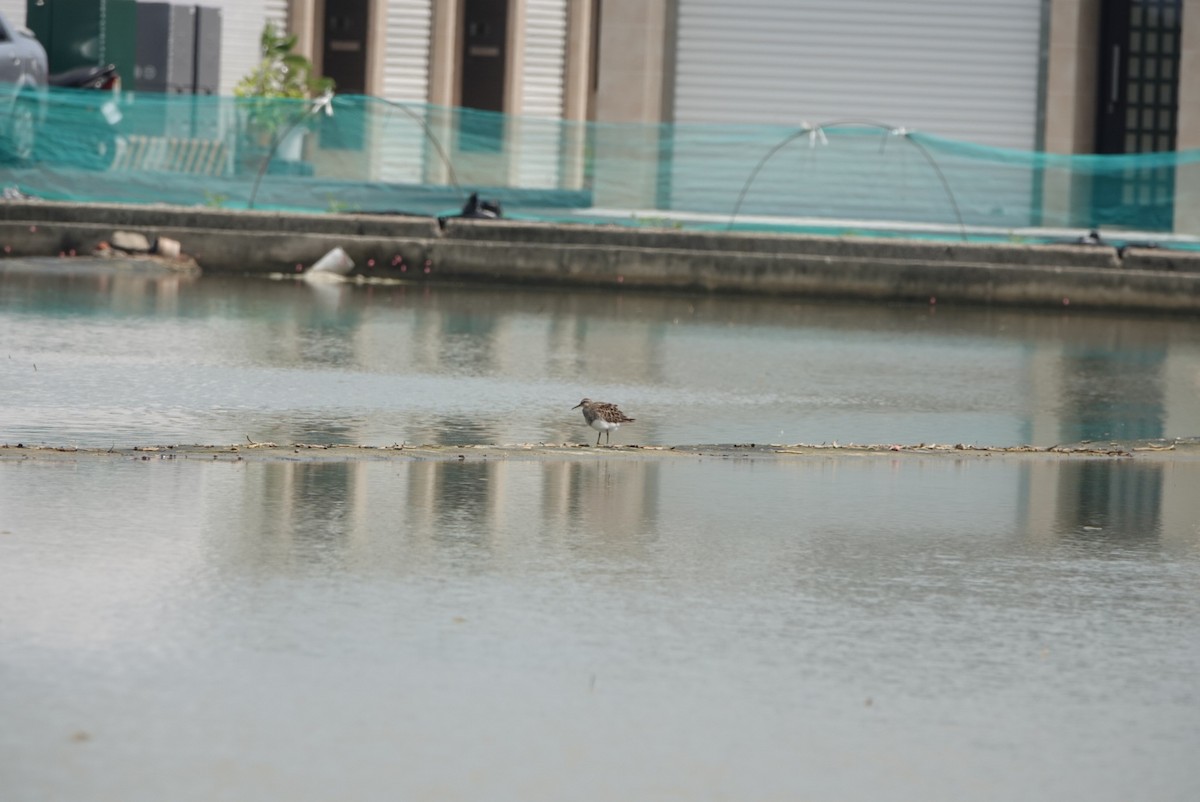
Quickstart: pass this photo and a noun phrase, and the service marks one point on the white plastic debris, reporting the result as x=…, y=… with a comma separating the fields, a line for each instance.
x=337, y=262
x=170, y=248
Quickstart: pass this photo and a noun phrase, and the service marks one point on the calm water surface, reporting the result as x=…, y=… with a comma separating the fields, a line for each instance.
x=681, y=629
x=645, y=629
x=100, y=358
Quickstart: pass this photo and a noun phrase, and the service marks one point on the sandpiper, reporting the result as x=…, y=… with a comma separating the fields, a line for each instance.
x=602, y=417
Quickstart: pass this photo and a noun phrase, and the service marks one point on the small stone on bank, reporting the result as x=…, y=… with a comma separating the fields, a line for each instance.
x=130, y=241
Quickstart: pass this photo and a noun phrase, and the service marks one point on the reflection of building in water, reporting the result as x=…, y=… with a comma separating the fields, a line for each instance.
x=1112, y=393
x=160, y=292
x=514, y=332
x=474, y=501
x=295, y=517
x=318, y=332
x=604, y=346
x=303, y=512
x=1111, y=500
x=1109, y=379
x=1122, y=500
x=462, y=499
x=478, y=333
x=120, y=287
x=459, y=342
x=613, y=501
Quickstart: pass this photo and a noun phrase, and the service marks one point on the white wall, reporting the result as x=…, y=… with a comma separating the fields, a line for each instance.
x=241, y=26
x=13, y=11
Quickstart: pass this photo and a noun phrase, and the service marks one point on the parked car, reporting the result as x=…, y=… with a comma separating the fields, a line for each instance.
x=23, y=71
x=91, y=143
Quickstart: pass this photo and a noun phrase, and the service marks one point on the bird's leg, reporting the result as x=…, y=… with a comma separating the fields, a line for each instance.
x=597, y=438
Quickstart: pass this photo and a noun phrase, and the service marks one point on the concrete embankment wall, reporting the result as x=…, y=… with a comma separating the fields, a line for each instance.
x=420, y=249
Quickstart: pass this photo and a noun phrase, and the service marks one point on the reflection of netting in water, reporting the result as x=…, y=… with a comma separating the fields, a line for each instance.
x=375, y=155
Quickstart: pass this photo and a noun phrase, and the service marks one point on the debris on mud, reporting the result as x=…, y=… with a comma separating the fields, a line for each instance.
x=1177, y=449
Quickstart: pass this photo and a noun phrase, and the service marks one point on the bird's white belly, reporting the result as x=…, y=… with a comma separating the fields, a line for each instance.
x=601, y=425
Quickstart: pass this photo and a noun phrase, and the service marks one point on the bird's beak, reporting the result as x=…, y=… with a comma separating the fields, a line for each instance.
x=577, y=406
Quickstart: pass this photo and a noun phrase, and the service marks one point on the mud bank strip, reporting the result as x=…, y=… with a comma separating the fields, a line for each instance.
x=418, y=249
x=1158, y=450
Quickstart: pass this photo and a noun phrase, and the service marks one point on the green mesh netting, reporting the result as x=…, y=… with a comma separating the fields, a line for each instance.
x=371, y=155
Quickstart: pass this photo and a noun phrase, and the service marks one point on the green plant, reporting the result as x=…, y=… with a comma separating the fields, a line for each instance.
x=337, y=206
x=657, y=222
x=283, y=75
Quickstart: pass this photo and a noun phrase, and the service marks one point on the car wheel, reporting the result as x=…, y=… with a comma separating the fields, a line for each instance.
x=106, y=151
x=20, y=137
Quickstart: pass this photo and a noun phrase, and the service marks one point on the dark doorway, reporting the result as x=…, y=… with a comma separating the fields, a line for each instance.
x=1137, y=110
x=484, y=55
x=344, y=58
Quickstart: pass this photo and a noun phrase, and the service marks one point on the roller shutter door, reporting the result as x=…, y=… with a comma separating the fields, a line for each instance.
x=965, y=70
x=402, y=142
x=545, y=50
x=962, y=69
x=406, y=61
x=537, y=131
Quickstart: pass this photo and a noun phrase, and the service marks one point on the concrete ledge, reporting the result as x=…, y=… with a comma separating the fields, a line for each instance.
x=186, y=217
x=875, y=278
x=418, y=249
x=774, y=243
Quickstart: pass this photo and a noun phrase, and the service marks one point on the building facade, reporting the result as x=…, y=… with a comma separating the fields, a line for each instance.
x=1066, y=76
x=1061, y=76
x=1025, y=74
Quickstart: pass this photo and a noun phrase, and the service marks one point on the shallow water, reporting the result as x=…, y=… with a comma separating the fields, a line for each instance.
x=101, y=357
x=851, y=628
x=848, y=629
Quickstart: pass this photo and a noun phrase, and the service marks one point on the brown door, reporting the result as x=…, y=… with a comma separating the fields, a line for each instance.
x=344, y=57
x=484, y=54
x=485, y=33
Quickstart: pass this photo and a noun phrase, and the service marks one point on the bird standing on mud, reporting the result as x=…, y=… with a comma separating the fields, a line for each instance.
x=602, y=417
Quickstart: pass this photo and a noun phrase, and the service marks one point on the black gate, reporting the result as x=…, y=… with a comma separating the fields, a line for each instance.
x=1137, y=110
